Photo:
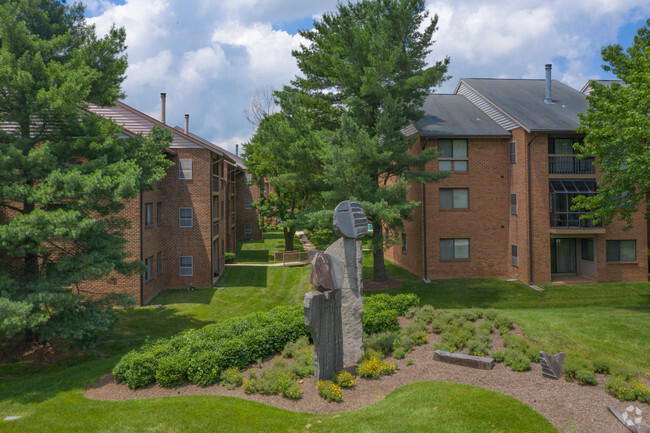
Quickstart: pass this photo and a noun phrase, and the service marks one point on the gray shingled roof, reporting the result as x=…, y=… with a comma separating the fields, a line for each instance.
x=455, y=116
x=523, y=100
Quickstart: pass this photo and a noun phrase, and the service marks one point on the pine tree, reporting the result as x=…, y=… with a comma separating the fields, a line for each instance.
x=64, y=172
x=370, y=58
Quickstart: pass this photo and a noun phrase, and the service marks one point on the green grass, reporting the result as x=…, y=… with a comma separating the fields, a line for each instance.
x=585, y=320
x=261, y=251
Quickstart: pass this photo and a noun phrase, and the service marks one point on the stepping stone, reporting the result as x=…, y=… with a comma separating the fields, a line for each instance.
x=479, y=362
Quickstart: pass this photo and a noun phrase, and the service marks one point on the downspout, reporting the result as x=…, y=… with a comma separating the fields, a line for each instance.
x=424, y=223
x=530, y=218
x=141, y=254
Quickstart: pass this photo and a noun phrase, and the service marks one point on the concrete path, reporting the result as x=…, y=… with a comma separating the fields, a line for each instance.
x=306, y=243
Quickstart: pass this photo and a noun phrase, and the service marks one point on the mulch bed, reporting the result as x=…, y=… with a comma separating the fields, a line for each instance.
x=570, y=407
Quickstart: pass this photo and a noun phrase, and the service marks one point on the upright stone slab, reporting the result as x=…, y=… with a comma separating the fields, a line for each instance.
x=323, y=318
x=552, y=364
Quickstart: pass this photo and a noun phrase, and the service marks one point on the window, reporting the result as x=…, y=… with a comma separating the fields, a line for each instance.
x=159, y=263
x=452, y=249
x=621, y=251
x=454, y=198
x=248, y=228
x=513, y=152
x=453, y=155
x=404, y=243
x=185, y=169
x=513, y=204
x=562, y=193
x=222, y=209
x=514, y=254
x=185, y=217
x=561, y=146
x=249, y=177
x=248, y=203
x=148, y=272
x=587, y=249
x=159, y=213
x=186, y=266
x=148, y=214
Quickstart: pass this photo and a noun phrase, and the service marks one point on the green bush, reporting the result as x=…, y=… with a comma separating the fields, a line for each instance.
x=250, y=384
x=229, y=257
x=444, y=346
x=399, y=353
x=602, y=365
x=381, y=312
x=293, y=391
x=425, y=314
x=477, y=347
x=586, y=377
x=410, y=361
x=373, y=366
x=571, y=366
x=517, y=361
x=490, y=315
x=210, y=350
x=504, y=324
x=486, y=326
x=293, y=346
x=172, y=370
x=521, y=344
x=382, y=342
x=624, y=385
x=231, y=378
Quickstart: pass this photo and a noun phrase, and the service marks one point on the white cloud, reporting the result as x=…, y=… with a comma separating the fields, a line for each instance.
x=151, y=70
x=201, y=65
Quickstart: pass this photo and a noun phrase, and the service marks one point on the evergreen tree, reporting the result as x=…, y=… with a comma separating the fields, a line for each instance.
x=370, y=58
x=617, y=132
x=64, y=172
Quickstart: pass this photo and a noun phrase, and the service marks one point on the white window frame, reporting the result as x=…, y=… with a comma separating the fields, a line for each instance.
x=514, y=206
x=453, y=203
x=185, y=169
x=248, y=203
x=514, y=254
x=182, y=219
x=183, y=270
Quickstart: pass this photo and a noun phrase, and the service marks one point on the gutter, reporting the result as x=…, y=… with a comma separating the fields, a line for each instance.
x=530, y=208
x=424, y=223
x=141, y=253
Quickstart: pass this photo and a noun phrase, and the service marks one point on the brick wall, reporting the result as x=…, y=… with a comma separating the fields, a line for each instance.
x=195, y=241
x=247, y=216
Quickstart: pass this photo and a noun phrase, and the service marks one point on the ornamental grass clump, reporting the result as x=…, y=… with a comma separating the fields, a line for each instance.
x=329, y=390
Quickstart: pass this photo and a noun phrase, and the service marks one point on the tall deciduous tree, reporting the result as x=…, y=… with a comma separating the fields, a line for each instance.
x=63, y=171
x=370, y=57
x=617, y=132
x=286, y=151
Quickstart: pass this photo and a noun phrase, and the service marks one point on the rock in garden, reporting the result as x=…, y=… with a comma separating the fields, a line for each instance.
x=479, y=362
x=552, y=364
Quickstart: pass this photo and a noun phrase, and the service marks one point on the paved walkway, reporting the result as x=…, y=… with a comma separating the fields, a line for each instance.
x=306, y=243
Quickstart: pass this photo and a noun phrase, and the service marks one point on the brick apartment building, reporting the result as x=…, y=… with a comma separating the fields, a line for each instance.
x=182, y=228
x=505, y=211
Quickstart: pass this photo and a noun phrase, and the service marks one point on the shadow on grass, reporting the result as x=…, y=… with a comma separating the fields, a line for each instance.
x=253, y=256
x=183, y=296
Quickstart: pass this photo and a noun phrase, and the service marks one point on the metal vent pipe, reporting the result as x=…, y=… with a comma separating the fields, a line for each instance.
x=187, y=124
x=548, y=99
x=163, y=101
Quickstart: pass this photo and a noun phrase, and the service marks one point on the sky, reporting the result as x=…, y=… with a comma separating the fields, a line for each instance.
x=210, y=57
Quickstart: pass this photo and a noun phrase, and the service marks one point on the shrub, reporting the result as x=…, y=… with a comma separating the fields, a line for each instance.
x=424, y=314
x=490, y=315
x=500, y=355
x=456, y=338
x=136, y=369
x=624, y=385
x=172, y=370
x=586, y=377
x=374, y=366
x=602, y=365
x=293, y=391
x=410, y=361
x=521, y=344
x=571, y=366
x=230, y=257
x=204, y=368
x=477, y=347
x=504, y=324
x=376, y=320
x=293, y=346
x=399, y=353
x=329, y=390
x=250, y=385
x=444, y=346
x=405, y=342
x=382, y=342
x=344, y=379
x=486, y=326
x=231, y=377
x=517, y=361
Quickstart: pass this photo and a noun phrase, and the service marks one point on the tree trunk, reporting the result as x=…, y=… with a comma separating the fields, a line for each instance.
x=288, y=238
x=379, y=269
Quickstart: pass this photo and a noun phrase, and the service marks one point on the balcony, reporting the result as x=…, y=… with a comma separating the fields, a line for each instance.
x=568, y=164
x=571, y=220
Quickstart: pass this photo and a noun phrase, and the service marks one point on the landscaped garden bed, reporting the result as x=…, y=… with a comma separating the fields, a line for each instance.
x=569, y=406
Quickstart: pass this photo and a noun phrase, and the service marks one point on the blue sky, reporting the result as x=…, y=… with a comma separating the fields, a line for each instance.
x=211, y=56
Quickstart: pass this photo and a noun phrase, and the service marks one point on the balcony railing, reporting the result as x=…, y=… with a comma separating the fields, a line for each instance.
x=570, y=165
x=571, y=220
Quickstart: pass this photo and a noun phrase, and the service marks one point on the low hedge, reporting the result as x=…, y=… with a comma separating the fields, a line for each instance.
x=201, y=355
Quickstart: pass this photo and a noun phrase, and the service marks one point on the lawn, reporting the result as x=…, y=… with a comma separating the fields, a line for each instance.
x=261, y=251
x=599, y=319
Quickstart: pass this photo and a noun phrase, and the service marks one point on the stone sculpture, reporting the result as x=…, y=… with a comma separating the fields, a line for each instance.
x=631, y=419
x=334, y=314
x=552, y=364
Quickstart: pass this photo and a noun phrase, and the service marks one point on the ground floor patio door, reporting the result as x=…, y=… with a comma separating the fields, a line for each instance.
x=563, y=256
